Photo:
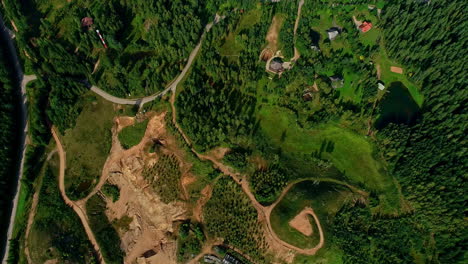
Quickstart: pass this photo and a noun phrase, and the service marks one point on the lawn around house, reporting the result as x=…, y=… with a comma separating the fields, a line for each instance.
x=388, y=76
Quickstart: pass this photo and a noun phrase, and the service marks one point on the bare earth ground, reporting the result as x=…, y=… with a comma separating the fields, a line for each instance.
x=272, y=35
x=379, y=71
x=301, y=223
x=206, y=195
x=296, y=25
x=152, y=220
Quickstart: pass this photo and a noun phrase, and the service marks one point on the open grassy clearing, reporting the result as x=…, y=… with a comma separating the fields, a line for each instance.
x=234, y=42
x=350, y=90
x=87, y=146
x=324, y=198
x=131, y=135
x=349, y=152
x=329, y=255
x=388, y=76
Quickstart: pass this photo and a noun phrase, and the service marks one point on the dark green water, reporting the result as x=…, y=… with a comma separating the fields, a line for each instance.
x=397, y=107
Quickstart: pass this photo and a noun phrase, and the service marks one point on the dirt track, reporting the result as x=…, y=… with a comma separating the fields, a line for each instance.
x=78, y=209
x=263, y=212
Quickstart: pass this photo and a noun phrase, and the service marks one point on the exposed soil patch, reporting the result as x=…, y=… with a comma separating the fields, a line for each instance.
x=152, y=221
x=218, y=153
x=396, y=69
x=123, y=122
x=198, y=209
x=273, y=32
x=379, y=71
x=301, y=223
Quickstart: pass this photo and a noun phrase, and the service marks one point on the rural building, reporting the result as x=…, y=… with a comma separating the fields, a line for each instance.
x=333, y=33
x=229, y=259
x=87, y=22
x=212, y=259
x=365, y=26
x=337, y=81
x=381, y=85
x=276, y=65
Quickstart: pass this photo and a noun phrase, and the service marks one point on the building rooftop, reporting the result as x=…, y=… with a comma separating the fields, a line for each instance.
x=229, y=259
x=333, y=33
x=365, y=26
x=276, y=65
x=87, y=22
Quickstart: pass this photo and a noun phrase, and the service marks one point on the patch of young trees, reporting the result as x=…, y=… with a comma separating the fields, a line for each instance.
x=164, y=177
x=229, y=214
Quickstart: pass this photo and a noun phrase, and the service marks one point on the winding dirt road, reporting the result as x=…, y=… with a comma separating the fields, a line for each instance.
x=79, y=210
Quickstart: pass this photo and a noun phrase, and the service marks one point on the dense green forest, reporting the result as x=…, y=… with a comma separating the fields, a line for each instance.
x=9, y=129
x=431, y=160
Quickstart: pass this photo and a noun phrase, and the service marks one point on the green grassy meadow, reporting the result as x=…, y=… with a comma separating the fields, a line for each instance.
x=130, y=136
x=233, y=44
x=351, y=153
x=87, y=146
x=324, y=198
x=388, y=76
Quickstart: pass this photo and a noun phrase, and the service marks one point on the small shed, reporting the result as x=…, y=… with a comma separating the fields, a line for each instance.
x=333, y=33
x=337, y=81
x=381, y=85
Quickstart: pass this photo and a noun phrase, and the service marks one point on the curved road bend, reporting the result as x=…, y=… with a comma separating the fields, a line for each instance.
x=23, y=123
x=170, y=87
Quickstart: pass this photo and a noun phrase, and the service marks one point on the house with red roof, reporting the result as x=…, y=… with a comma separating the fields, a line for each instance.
x=365, y=26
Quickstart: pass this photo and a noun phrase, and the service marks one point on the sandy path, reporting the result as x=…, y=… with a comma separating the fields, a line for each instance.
x=171, y=87
x=78, y=210
x=379, y=71
x=296, y=25
x=32, y=213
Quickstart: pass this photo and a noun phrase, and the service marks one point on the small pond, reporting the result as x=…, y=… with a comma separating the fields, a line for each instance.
x=397, y=107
